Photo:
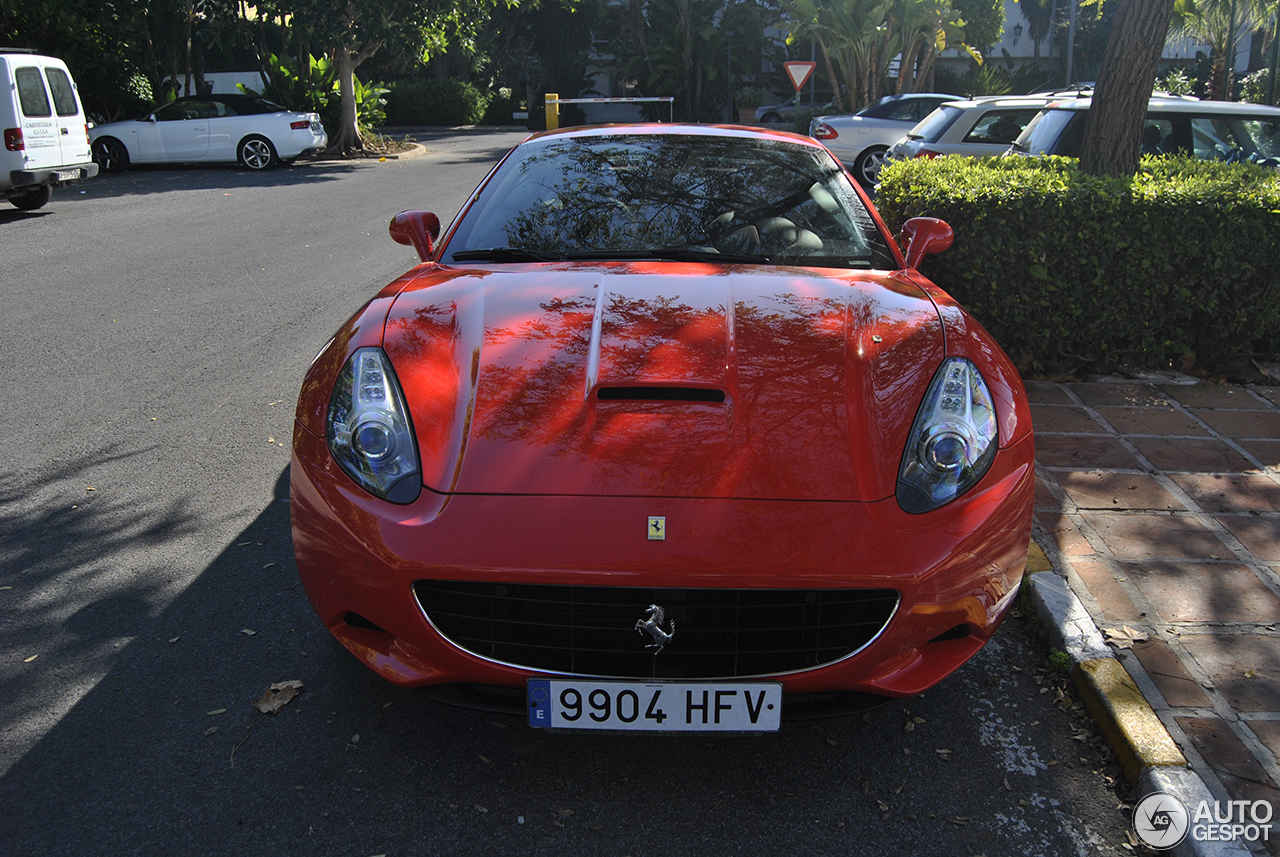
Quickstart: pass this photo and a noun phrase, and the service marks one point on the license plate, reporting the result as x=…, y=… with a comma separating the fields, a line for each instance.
x=68, y=175
x=654, y=706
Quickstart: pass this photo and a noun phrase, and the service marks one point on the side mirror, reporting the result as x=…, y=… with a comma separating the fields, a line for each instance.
x=925, y=236
x=417, y=229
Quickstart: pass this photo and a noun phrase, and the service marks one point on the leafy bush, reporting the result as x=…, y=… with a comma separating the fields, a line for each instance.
x=1255, y=87
x=370, y=101
x=435, y=102
x=1069, y=270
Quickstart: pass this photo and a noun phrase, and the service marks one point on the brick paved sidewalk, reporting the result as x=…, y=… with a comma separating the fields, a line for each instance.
x=1162, y=505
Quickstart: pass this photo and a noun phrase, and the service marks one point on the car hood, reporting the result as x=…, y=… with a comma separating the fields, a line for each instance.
x=653, y=379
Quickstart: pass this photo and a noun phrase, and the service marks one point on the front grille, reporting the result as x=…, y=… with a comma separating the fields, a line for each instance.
x=719, y=633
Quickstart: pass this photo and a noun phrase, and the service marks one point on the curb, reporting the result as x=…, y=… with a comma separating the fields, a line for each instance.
x=1147, y=753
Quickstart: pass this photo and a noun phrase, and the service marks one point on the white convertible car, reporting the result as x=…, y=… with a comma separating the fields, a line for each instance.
x=200, y=129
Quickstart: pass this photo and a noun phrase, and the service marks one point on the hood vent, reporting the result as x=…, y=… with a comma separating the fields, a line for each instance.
x=660, y=394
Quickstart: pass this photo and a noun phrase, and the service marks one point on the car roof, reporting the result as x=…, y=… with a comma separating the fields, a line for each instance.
x=1178, y=104
x=1001, y=101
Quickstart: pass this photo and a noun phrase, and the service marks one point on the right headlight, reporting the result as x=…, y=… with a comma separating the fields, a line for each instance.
x=368, y=429
x=952, y=442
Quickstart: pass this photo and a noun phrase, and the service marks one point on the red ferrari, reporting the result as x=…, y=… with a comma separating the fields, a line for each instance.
x=664, y=434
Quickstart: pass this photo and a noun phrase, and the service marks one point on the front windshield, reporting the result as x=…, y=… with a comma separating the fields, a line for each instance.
x=679, y=196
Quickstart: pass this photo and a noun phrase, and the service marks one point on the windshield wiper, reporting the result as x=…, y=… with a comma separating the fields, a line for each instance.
x=505, y=254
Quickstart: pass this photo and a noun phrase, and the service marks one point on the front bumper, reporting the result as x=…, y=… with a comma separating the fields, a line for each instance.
x=956, y=569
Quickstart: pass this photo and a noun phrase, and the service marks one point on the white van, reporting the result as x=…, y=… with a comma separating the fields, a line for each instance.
x=46, y=137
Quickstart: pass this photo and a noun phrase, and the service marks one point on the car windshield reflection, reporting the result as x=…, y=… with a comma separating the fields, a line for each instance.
x=680, y=198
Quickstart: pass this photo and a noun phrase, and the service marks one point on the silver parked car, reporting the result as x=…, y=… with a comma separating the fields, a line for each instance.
x=975, y=127
x=861, y=140
x=1212, y=130
x=209, y=128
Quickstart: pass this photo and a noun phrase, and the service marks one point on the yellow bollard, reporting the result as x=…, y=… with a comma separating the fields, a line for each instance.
x=553, y=111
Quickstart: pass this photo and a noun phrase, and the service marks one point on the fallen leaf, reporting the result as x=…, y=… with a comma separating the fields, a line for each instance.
x=210, y=731
x=173, y=640
x=269, y=565
x=908, y=727
x=1248, y=673
x=1124, y=637
x=215, y=711
x=277, y=696
x=959, y=820
x=486, y=760
x=566, y=812
x=30, y=659
x=480, y=808
x=5, y=587
x=247, y=632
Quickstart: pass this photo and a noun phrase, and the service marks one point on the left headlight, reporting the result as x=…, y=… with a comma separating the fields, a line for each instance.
x=368, y=429
x=952, y=442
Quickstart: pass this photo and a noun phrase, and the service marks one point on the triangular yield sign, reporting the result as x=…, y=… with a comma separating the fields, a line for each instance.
x=799, y=72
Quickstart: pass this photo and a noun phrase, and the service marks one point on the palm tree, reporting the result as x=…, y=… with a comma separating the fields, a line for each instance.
x=1039, y=15
x=847, y=33
x=1209, y=21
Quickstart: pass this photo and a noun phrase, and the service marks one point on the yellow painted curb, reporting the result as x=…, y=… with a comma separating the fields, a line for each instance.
x=1127, y=722
x=1036, y=560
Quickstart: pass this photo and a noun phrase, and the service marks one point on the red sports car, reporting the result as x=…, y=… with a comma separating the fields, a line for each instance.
x=664, y=434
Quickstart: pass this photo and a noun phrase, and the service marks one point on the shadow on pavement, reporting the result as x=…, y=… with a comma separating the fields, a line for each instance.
x=165, y=754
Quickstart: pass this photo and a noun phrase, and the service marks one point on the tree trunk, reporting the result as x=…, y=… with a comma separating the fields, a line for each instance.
x=1113, y=125
x=347, y=139
x=831, y=73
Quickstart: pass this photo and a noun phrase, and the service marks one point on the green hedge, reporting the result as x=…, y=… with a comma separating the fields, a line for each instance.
x=435, y=102
x=1068, y=270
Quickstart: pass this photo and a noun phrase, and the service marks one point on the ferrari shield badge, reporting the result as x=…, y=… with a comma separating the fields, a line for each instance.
x=657, y=529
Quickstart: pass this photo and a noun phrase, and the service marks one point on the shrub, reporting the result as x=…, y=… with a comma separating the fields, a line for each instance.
x=435, y=102
x=1069, y=270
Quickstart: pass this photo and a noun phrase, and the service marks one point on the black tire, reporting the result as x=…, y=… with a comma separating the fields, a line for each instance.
x=256, y=153
x=30, y=200
x=771, y=119
x=110, y=154
x=866, y=167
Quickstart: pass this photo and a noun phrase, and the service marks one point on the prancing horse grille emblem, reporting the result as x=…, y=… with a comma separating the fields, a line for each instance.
x=653, y=627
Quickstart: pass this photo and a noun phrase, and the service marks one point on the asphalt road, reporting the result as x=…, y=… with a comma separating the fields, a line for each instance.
x=156, y=327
